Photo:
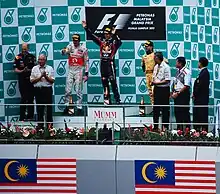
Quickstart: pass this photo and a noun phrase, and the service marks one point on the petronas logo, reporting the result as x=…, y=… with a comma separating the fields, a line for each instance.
x=174, y=14
x=157, y=1
x=128, y=99
x=124, y=2
x=91, y=2
x=24, y=2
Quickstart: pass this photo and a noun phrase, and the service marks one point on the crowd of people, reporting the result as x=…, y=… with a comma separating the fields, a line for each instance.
x=36, y=79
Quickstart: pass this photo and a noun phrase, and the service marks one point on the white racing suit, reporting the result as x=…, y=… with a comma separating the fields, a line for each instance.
x=78, y=61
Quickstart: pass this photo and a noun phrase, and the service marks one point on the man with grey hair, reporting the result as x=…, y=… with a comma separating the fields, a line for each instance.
x=42, y=76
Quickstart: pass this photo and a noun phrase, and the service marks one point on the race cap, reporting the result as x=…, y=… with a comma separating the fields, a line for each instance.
x=76, y=37
x=108, y=30
x=148, y=43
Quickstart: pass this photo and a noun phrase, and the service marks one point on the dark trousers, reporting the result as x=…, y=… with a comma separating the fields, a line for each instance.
x=182, y=113
x=44, y=96
x=108, y=74
x=161, y=97
x=26, y=89
x=200, y=115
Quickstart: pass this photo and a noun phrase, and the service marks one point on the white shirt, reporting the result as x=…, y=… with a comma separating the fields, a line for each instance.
x=183, y=78
x=162, y=72
x=36, y=73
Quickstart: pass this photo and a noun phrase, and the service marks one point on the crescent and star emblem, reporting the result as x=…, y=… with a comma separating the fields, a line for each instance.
x=7, y=173
x=144, y=169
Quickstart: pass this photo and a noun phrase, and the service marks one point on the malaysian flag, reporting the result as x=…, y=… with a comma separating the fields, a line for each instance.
x=175, y=177
x=44, y=176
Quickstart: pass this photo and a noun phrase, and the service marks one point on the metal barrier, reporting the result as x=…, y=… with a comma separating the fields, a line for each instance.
x=119, y=132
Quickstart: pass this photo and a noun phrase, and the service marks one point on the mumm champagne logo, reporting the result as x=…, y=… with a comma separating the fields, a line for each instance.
x=105, y=115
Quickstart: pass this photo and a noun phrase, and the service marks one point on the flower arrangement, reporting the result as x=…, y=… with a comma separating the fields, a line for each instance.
x=142, y=134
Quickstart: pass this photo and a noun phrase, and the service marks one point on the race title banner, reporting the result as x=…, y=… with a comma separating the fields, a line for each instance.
x=131, y=23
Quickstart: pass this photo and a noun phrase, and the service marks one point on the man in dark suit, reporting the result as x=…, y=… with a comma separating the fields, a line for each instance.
x=201, y=96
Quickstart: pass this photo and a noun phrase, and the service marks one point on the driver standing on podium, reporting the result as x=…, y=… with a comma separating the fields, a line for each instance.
x=108, y=48
x=78, y=61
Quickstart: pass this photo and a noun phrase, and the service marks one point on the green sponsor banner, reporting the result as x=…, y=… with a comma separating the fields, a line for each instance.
x=126, y=51
x=211, y=109
x=171, y=2
x=26, y=16
x=187, y=50
x=9, y=35
x=78, y=29
x=138, y=68
x=215, y=17
x=162, y=47
x=186, y=15
x=76, y=3
x=210, y=68
x=8, y=72
x=32, y=49
x=1, y=89
x=0, y=54
x=12, y=109
x=127, y=85
x=108, y=3
x=59, y=87
x=141, y=2
x=8, y=4
x=208, y=3
x=175, y=32
x=94, y=85
x=217, y=89
x=216, y=53
x=59, y=15
x=202, y=51
x=194, y=33
x=43, y=34
x=208, y=34
x=57, y=47
x=93, y=50
x=195, y=70
x=201, y=15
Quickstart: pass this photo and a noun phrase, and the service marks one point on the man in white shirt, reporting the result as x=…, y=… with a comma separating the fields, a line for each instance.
x=42, y=77
x=181, y=93
x=161, y=83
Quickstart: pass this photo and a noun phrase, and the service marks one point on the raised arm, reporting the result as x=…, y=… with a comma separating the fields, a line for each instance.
x=93, y=36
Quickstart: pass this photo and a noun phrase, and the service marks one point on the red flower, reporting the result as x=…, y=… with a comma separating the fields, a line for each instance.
x=204, y=132
x=151, y=127
x=179, y=132
x=67, y=129
x=33, y=131
x=187, y=130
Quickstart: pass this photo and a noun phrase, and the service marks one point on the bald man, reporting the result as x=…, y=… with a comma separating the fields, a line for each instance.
x=42, y=76
x=23, y=64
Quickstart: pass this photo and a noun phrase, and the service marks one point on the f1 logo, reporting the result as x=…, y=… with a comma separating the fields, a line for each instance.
x=119, y=22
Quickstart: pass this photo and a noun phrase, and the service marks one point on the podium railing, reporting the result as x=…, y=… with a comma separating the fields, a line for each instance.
x=80, y=128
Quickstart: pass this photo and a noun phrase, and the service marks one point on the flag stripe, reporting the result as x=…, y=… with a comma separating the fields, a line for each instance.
x=57, y=178
x=55, y=172
x=193, y=178
x=204, y=191
x=197, y=184
x=195, y=168
x=195, y=174
x=37, y=184
x=40, y=188
x=54, y=169
x=36, y=191
x=55, y=181
x=39, y=166
x=59, y=175
x=174, y=187
x=196, y=165
x=195, y=171
x=194, y=162
x=194, y=181
x=55, y=160
x=56, y=163
x=166, y=192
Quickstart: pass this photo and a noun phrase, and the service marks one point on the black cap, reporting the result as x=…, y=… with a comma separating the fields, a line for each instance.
x=108, y=30
x=148, y=43
x=76, y=37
